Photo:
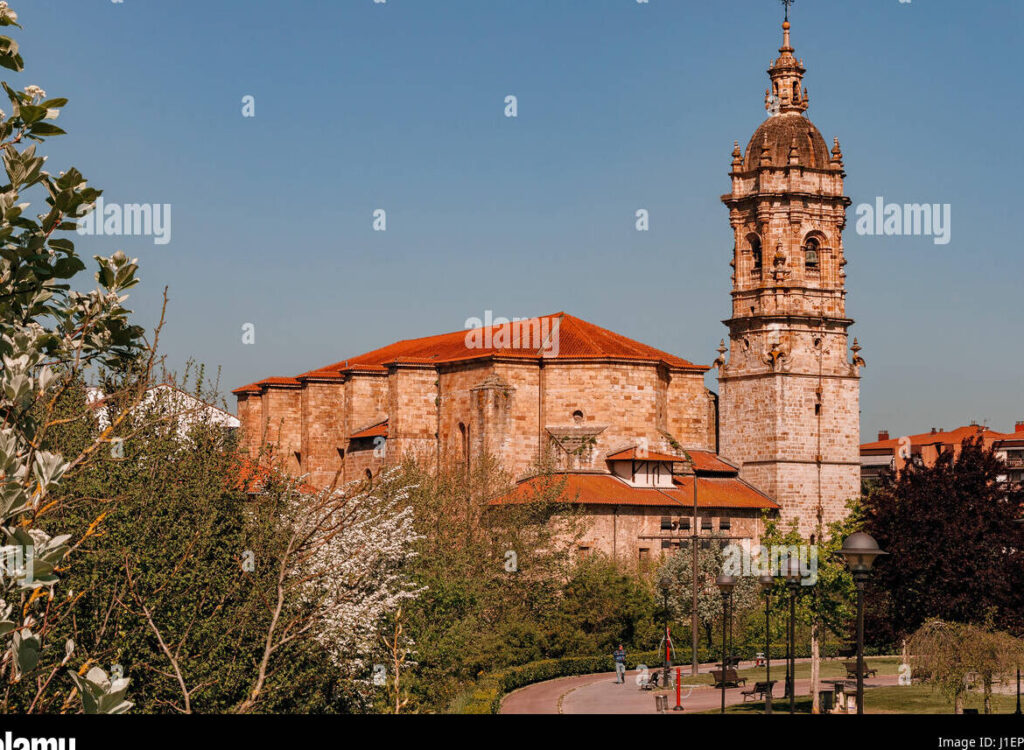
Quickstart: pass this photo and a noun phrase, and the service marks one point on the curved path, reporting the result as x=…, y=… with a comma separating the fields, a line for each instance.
x=600, y=694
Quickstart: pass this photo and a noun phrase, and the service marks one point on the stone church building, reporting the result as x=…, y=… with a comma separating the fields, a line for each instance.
x=651, y=454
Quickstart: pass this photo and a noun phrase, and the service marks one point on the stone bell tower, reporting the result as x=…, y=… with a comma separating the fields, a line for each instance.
x=790, y=392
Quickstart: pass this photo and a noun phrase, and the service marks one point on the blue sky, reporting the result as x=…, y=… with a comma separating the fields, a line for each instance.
x=622, y=105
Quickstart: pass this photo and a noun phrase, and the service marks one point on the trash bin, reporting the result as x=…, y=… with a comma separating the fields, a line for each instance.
x=828, y=700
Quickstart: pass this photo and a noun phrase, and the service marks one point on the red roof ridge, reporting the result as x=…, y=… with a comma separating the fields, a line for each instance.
x=602, y=488
x=584, y=341
x=954, y=436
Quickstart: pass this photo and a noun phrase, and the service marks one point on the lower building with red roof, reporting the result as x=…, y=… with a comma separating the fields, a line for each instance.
x=893, y=454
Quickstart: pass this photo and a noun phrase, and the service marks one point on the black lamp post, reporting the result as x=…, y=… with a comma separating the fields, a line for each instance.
x=793, y=579
x=725, y=585
x=767, y=582
x=860, y=551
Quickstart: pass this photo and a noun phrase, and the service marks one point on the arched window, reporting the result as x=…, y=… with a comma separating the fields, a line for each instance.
x=577, y=417
x=755, y=251
x=812, y=254
x=796, y=91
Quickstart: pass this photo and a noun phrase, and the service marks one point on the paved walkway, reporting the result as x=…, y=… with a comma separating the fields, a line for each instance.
x=600, y=694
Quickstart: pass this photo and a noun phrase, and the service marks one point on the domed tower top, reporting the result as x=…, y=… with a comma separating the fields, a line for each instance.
x=786, y=94
x=787, y=137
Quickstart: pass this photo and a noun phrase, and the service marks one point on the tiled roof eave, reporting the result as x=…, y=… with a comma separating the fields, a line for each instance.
x=604, y=490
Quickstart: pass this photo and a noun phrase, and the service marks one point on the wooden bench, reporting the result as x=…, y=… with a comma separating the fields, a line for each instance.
x=727, y=678
x=851, y=670
x=760, y=689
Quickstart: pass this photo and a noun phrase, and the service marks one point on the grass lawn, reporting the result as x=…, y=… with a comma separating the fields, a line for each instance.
x=918, y=699
x=831, y=669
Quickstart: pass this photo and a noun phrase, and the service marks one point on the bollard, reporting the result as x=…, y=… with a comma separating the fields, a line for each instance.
x=679, y=690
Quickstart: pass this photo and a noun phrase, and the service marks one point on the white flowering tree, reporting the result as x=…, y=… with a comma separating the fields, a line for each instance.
x=360, y=572
x=49, y=335
x=677, y=573
x=342, y=567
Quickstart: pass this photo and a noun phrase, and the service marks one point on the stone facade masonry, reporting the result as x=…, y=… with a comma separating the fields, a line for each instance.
x=522, y=413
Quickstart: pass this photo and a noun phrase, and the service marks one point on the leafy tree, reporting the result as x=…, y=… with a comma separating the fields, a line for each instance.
x=49, y=334
x=677, y=570
x=952, y=655
x=601, y=606
x=954, y=549
x=491, y=576
x=940, y=650
x=827, y=606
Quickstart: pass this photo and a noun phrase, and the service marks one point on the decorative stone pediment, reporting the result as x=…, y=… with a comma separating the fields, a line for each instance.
x=575, y=444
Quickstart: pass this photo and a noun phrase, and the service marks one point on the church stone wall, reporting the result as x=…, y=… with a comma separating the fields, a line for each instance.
x=283, y=416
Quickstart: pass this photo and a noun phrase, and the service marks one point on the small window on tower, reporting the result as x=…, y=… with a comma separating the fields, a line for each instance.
x=755, y=252
x=812, y=255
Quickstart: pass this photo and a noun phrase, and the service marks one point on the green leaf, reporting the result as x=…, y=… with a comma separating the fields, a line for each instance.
x=31, y=113
x=45, y=128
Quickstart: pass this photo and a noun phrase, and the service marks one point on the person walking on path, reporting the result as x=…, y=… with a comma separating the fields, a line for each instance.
x=620, y=665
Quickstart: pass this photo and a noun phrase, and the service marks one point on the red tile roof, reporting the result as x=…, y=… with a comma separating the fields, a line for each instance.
x=378, y=430
x=953, y=437
x=708, y=463
x=606, y=489
x=723, y=492
x=636, y=454
x=705, y=461
x=577, y=339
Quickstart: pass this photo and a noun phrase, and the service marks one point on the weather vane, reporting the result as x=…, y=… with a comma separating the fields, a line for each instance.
x=787, y=3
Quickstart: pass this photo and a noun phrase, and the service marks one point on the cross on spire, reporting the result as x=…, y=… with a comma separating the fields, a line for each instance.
x=787, y=3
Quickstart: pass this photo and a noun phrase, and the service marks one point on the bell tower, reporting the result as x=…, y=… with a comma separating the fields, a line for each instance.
x=789, y=390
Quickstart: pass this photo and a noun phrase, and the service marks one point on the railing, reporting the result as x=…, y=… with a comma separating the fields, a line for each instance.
x=1015, y=462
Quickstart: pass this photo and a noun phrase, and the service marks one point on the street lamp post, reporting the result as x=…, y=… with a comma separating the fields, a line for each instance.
x=725, y=585
x=793, y=583
x=767, y=582
x=860, y=551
